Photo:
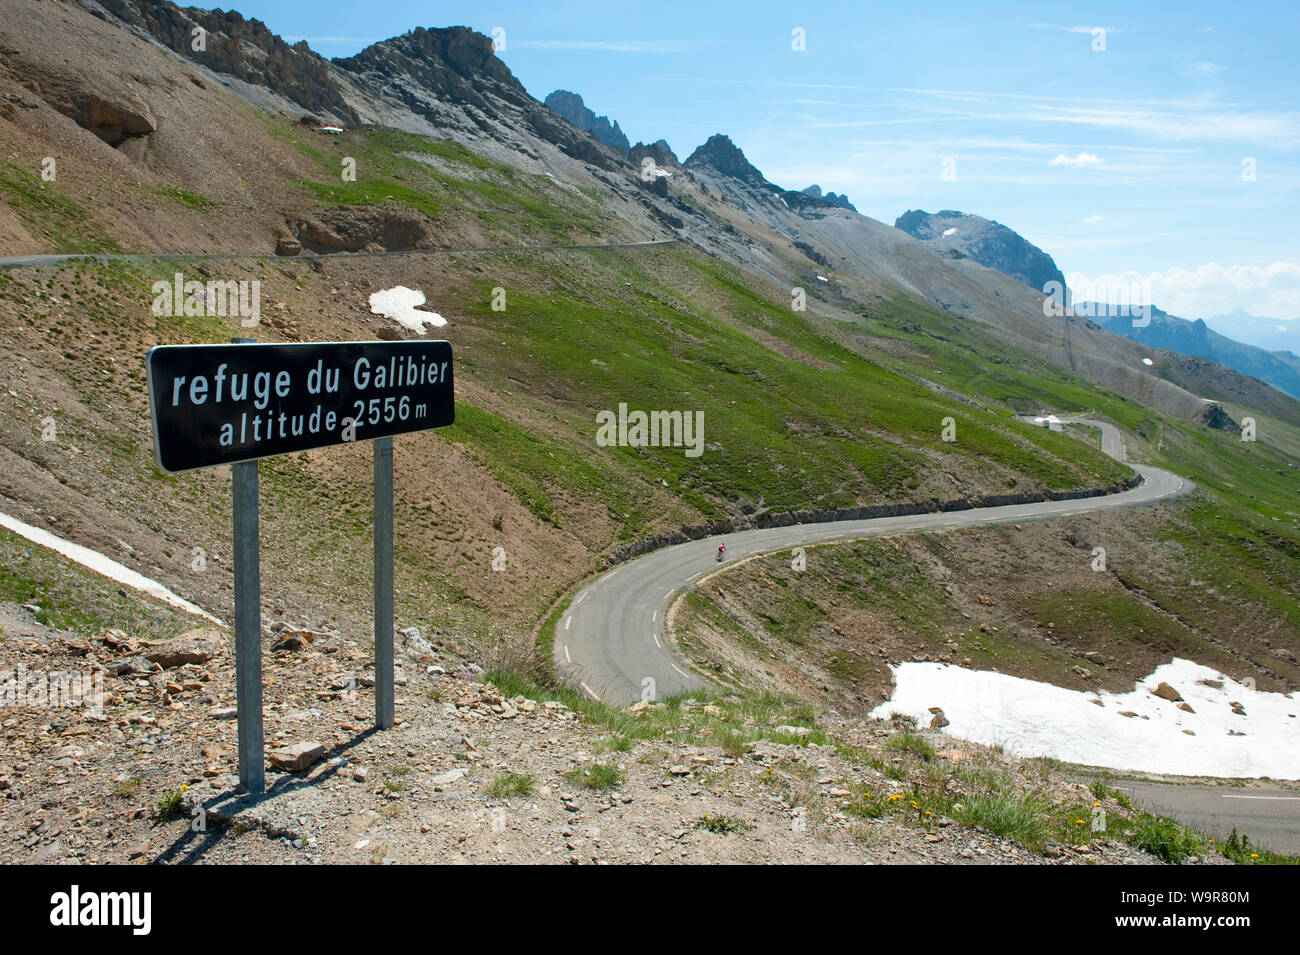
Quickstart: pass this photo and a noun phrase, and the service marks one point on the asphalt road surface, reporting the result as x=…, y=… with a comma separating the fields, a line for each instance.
x=611, y=641
x=35, y=261
x=1270, y=816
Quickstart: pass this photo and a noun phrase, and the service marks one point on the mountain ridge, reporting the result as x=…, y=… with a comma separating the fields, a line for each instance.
x=836, y=200
x=447, y=82
x=571, y=107
x=987, y=242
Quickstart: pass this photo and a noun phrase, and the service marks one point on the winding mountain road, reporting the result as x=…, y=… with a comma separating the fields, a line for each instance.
x=611, y=639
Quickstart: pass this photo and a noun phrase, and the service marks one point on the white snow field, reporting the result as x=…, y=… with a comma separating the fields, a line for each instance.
x=1029, y=718
x=103, y=565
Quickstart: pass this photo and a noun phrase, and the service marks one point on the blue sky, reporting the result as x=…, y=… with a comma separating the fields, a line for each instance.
x=1123, y=158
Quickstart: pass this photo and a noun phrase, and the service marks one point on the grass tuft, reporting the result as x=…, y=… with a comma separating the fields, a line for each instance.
x=600, y=776
x=1017, y=817
x=723, y=825
x=510, y=784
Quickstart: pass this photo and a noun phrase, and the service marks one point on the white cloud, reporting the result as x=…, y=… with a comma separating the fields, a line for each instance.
x=1213, y=289
x=1091, y=219
x=1077, y=161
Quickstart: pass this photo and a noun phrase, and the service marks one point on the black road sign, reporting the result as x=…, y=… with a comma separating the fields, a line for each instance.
x=221, y=404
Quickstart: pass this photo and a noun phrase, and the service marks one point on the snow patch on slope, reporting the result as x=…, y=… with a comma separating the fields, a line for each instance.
x=103, y=565
x=402, y=305
x=1029, y=718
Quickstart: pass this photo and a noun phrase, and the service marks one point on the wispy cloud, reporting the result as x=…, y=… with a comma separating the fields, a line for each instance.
x=1077, y=161
x=986, y=96
x=805, y=101
x=732, y=81
x=1074, y=29
x=851, y=124
x=1091, y=219
x=602, y=46
x=1274, y=130
x=1017, y=144
x=1174, y=120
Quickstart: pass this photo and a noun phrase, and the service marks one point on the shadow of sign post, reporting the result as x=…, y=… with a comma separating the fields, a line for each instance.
x=235, y=404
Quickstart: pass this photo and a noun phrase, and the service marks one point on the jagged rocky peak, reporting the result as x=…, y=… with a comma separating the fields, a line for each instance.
x=449, y=78
x=571, y=107
x=724, y=156
x=989, y=243
x=836, y=200
x=455, y=64
x=659, y=151
x=241, y=47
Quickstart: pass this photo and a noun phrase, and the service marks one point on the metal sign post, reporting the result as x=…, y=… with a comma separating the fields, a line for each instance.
x=235, y=404
x=384, y=583
x=248, y=621
x=248, y=626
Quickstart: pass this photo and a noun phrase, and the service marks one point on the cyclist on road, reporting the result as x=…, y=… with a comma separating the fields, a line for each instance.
x=722, y=551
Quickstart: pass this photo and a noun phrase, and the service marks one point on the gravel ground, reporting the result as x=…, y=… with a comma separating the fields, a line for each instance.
x=79, y=786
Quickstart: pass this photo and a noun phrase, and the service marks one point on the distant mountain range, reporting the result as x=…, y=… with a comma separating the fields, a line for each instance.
x=1254, y=346
x=1271, y=334
x=1281, y=369
x=860, y=256
x=994, y=245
